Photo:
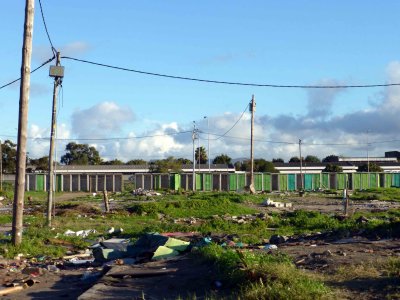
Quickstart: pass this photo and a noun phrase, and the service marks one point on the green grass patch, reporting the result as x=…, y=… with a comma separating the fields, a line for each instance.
x=258, y=275
x=200, y=208
x=382, y=194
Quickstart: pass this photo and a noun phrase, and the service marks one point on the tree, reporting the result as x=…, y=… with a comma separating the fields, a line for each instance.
x=373, y=167
x=114, y=162
x=260, y=165
x=333, y=168
x=184, y=161
x=80, y=154
x=40, y=164
x=203, y=155
x=312, y=159
x=136, y=162
x=169, y=164
x=294, y=159
x=278, y=160
x=222, y=159
x=9, y=152
x=331, y=158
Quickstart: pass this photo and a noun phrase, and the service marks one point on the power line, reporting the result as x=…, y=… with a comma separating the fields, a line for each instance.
x=45, y=27
x=34, y=70
x=107, y=139
x=231, y=82
x=226, y=132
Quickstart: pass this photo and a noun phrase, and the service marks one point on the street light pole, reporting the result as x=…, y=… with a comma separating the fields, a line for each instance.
x=194, y=158
x=208, y=142
x=301, y=167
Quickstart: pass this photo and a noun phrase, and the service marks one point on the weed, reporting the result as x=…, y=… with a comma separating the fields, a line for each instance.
x=258, y=275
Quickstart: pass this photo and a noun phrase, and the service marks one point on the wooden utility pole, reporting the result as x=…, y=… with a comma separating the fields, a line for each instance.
x=252, y=110
x=106, y=203
x=301, y=168
x=1, y=166
x=19, y=192
x=194, y=136
x=57, y=82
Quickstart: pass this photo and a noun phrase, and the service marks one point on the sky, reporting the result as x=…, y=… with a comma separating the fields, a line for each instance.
x=128, y=115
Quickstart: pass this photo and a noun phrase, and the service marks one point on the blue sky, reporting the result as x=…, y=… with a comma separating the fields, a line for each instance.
x=267, y=42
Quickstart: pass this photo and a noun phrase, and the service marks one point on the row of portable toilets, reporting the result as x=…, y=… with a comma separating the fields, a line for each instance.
x=267, y=181
x=214, y=181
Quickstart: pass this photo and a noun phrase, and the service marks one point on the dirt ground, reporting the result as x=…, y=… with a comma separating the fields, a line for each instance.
x=185, y=277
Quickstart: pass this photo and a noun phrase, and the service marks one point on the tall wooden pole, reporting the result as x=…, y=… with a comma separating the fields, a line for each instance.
x=1, y=166
x=252, y=110
x=301, y=167
x=51, y=153
x=194, y=159
x=19, y=192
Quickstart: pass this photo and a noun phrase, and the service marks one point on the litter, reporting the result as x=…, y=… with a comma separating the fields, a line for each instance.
x=270, y=247
x=81, y=233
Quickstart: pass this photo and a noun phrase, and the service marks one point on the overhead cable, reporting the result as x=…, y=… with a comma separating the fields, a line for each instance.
x=45, y=27
x=42, y=65
x=231, y=82
x=109, y=139
x=237, y=121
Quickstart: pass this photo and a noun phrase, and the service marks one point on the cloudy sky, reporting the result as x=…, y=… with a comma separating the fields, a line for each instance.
x=129, y=115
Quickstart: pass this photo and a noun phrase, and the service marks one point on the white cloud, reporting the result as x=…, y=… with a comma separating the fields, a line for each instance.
x=100, y=121
x=43, y=53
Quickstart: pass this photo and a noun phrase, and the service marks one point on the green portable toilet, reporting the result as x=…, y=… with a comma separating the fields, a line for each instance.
x=325, y=181
x=258, y=182
x=58, y=183
x=356, y=181
x=208, y=182
x=308, y=182
x=396, y=180
x=388, y=180
x=283, y=182
x=316, y=181
x=241, y=181
x=40, y=182
x=291, y=182
x=341, y=182
x=175, y=181
x=373, y=180
x=199, y=182
x=156, y=181
x=232, y=182
x=364, y=181
x=267, y=182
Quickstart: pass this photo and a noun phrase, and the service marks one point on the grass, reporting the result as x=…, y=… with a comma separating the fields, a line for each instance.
x=382, y=194
x=162, y=214
x=258, y=275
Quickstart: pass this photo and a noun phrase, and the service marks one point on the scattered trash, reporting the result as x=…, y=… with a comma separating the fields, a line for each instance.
x=81, y=233
x=53, y=268
x=143, y=192
x=269, y=202
x=270, y=247
x=278, y=239
x=115, y=231
x=90, y=276
x=17, y=288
